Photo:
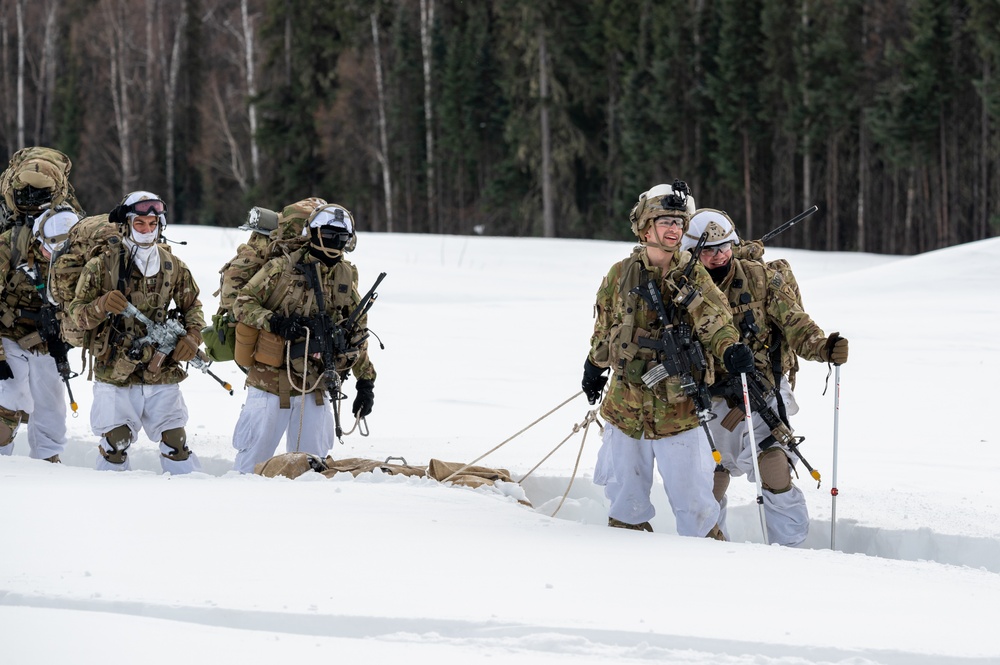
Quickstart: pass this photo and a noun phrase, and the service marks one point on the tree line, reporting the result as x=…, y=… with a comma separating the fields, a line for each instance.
x=524, y=117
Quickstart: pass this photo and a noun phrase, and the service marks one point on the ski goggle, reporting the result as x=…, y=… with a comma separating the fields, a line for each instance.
x=148, y=207
x=715, y=250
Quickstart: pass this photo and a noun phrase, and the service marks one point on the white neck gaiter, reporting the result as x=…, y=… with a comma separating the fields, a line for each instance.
x=142, y=248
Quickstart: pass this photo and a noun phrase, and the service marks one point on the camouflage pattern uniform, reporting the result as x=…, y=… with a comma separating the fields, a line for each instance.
x=41, y=168
x=277, y=401
x=129, y=393
x=43, y=397
x=654, y=424
x=751, y=286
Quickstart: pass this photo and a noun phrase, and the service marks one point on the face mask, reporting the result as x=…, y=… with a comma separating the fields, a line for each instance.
x=144, y=239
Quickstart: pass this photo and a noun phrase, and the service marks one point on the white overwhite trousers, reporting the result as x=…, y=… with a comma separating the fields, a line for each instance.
x=38, y=390
x=153, y=409
x=786, y=513
x=262, y=422
x=625, y=468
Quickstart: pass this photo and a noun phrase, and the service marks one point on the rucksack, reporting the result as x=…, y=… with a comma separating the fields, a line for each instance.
x=91, y=237
x=261, y=247
x=27, y=166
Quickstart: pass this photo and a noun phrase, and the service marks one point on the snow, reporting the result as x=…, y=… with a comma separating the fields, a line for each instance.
x=482, y=337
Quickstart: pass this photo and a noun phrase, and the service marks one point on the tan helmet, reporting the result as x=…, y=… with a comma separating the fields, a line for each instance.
x=662, y=201
x=717, y=223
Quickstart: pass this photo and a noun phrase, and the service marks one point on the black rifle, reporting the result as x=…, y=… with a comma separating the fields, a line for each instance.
x=47, y=324
x=789, y=224
x=732, y=389
x=336, y=340
x=678, y=352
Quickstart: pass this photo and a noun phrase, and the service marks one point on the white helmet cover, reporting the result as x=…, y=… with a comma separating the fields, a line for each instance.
x=718, y=224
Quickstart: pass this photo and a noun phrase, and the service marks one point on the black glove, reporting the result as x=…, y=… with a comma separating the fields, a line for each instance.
x=289, y=327
x=738, y=359
x=5, y=371
x=593, y=381
x=366, y=398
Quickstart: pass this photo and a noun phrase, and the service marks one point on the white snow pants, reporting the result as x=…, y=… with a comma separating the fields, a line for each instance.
x=36, y=382
x=625, y=468
x=262, y=421
x=786, y=513
x=154, y=409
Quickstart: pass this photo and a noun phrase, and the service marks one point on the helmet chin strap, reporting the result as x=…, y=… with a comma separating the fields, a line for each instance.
x=321, y=249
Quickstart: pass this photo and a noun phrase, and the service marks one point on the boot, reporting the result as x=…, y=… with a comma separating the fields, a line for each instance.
x=54, y=459
x=618, y=524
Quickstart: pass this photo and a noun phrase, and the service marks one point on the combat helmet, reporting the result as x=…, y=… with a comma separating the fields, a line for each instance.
x=331, y=230
x=661, y=201
x=716, y=223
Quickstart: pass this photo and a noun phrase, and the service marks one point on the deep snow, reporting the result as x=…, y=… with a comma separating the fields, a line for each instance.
x=483, y=336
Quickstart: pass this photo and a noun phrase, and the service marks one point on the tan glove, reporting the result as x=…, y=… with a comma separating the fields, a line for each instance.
x=836, y=349
x=186, y=349
x=113, y=302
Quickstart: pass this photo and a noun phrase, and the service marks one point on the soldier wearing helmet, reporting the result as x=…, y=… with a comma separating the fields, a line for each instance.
x=658, y=422
x=29, y=378
x=278, y=315
x=137, y=383
x=767, y=310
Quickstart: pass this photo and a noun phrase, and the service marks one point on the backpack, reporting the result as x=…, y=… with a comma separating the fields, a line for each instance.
x=262, y=246
x=33, y=165
x=782, y=354
x=91, y=237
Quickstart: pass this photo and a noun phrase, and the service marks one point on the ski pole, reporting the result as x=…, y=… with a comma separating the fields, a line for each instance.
x=836, y=437
x=753, y=456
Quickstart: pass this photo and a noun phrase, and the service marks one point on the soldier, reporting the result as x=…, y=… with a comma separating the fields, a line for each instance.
x=31, y=343
x=272, y=235
x=646, y=423
x=136, y=383
x=767, y=311
x=277, y=312
x=36, y=178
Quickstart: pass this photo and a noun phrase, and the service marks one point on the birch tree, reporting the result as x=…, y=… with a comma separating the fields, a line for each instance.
x=426, y=28
x=383, y=153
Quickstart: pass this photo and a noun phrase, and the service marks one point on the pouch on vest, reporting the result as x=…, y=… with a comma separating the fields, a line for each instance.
x=220, y=338
x=123, y=368
x=270, y=349
x=246, y=341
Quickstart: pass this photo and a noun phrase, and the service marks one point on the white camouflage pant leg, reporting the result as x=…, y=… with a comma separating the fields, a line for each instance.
x=685, y=464
x=153, y=409
x=786, y=514
x=262, y=422
x=36, y=389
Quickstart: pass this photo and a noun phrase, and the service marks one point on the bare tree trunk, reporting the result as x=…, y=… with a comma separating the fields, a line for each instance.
x=426, y=26
x=911, y=195
x=43, y=111
x=383, y=153
x=747, y=203
x=862, y=180
x=982, y=218
x=548, y=216
x=806, y=141
x=20, y=73
x=251, y=76
x=236, y=167
x=171, y=98
x=119, y=92
x=945, y=231
x=149, y=84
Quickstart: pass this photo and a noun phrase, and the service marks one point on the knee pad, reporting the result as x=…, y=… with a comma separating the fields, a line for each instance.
x=775, y=472
x=9, y=423
x=720, y=483
x=6, y=433
x=176, y=440
x=119, y=439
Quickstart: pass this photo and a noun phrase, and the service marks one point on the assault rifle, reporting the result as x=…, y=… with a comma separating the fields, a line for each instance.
x=678, y=352
x=732, y=389
x=336, y=340
x=162, y=338
x=47, y=324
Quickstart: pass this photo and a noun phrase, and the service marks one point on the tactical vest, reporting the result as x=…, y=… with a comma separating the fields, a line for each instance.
x=629, y=360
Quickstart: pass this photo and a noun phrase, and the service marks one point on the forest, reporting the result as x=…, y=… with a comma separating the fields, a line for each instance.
x=524, y=117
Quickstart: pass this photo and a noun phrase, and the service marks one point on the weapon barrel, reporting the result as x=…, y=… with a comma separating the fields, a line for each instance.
x=789, y=224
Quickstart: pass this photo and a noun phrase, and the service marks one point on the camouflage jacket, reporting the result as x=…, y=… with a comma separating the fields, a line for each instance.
x=18, y=289
x=623, y=317
x=117, y=358
x=280, y=287
x=765, y=306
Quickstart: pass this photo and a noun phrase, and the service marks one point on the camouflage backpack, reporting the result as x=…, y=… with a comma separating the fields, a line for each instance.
x=40, y=168
x=89, y=238
x=267, y=241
